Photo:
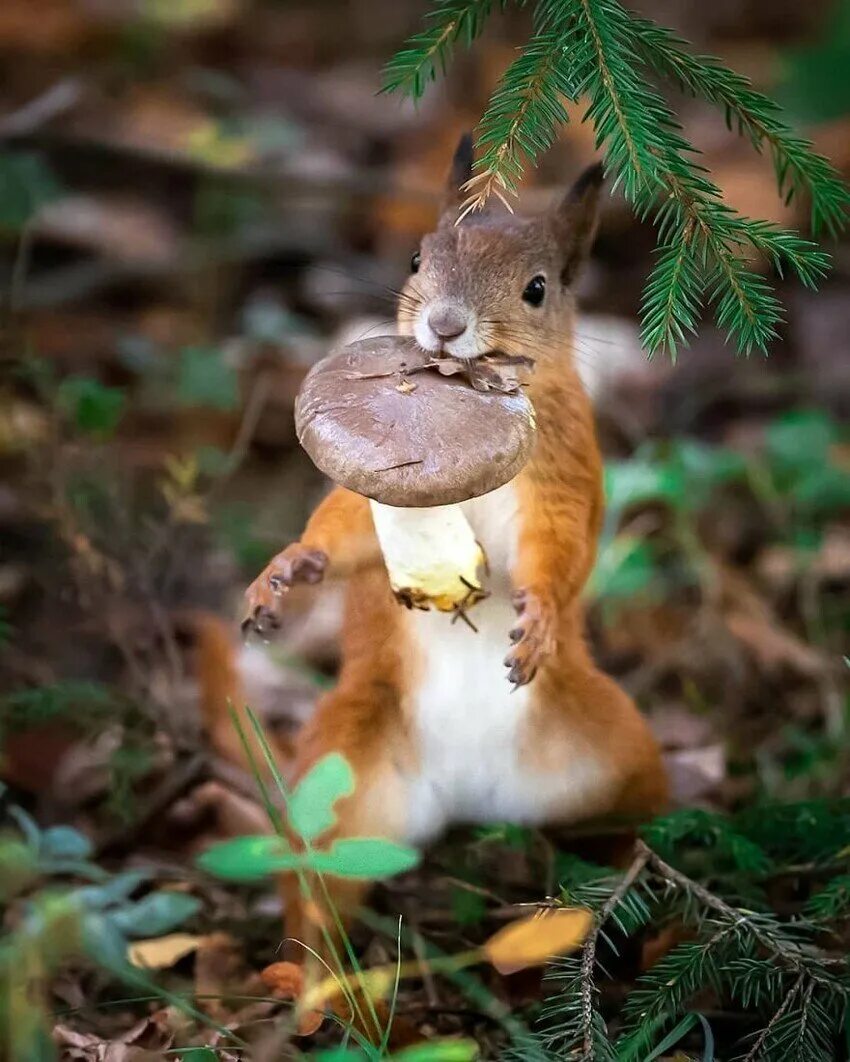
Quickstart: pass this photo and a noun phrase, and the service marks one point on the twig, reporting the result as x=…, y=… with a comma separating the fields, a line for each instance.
x=425, y=972
x=738, y=918
x=753, y=1053
x=56, y=100
x=588, y=957
x=684, y=882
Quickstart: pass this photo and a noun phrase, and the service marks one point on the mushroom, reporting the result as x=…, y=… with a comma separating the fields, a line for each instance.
x=415, y=436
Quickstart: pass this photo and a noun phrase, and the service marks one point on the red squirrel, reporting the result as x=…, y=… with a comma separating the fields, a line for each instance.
x=513, y=721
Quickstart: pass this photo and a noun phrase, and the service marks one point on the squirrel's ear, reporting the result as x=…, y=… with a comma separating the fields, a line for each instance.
x=459, y=174
x=576, y=218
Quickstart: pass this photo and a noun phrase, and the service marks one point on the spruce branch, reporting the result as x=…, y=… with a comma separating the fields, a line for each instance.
x=589, y=1012
x=521, y=118
x=799, y=168
x=755, y=1051
x=427, y=54
x=598, y=51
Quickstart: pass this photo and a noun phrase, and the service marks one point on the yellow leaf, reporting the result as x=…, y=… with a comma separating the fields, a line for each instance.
x=533, y=940
x=376, y=984
x=157, y=953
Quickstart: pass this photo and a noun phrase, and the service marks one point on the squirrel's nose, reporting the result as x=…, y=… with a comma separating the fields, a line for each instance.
x=447, y=322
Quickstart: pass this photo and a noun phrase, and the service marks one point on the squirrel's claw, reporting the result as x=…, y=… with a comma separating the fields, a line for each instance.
x=296, y=564
x=532, y=638
x=261, y=621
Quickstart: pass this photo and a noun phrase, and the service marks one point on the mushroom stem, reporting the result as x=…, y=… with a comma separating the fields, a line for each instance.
x=431, y=554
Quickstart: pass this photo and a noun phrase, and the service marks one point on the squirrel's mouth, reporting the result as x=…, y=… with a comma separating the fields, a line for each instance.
x=448, y=332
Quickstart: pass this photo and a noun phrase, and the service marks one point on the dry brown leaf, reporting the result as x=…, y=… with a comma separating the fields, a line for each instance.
x=143, y=1042
x=158, y=953
x=286, y=980
x=533, y=940
x=220, y=971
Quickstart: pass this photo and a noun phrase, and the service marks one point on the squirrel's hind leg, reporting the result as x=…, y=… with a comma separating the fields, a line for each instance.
x=361, y=725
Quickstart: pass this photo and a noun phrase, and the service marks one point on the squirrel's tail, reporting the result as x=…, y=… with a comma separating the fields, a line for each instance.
x=222, y=698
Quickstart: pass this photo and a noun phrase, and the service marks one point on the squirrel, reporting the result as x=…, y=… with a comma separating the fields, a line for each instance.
x=513, y=721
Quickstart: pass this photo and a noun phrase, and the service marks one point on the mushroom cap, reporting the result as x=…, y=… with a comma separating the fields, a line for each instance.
x=411, y=441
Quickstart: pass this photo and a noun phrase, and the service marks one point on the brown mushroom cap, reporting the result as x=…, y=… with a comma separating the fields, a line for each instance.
x=409, y=440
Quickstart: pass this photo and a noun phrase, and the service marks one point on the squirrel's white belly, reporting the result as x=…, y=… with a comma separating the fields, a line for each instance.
x=468, y=719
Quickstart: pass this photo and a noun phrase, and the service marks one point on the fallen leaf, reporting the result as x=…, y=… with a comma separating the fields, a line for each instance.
x=158, y=953
x=376, y=984
x=286, y=980
x=533, y=940
x=406, y=387
x=695, y=774
x=220, y=971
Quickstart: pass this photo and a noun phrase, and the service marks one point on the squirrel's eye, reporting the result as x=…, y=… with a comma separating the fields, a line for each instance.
x=414, y=262
x=535, y=290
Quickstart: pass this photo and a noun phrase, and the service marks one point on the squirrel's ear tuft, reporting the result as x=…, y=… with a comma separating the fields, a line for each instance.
x=459, y=174
x=575, y=220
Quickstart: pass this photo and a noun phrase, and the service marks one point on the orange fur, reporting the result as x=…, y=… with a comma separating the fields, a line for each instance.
x=221, y=693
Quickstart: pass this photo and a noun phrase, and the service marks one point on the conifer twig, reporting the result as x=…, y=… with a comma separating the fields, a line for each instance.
x=600, y=52
x=588, y=957
x=754, y=1051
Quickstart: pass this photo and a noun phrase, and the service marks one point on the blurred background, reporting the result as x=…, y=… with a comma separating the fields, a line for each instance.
x=197, y=198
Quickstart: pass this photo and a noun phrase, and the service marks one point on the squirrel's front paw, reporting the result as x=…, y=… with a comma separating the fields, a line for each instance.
x=296, y=564
x=533, y=637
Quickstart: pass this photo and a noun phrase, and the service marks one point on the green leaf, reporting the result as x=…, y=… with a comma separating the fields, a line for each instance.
x=673, y=1037
x=310, y=808
x=156, y=914
x=822, y=490
x=340, y=1054
x=468, y=908
x=64, y=842
x=248, y=858
x=119, y=888
x=815, y=87
x=199, y=1054
x=93, y=407
x=447, y=1050
x=18, y=867
x=26, y=185
x=800, y=439
x=205, y=379
x=625, y=567
x=706, y=466
x=104, y=944
x=364, y=857
x=640, y=480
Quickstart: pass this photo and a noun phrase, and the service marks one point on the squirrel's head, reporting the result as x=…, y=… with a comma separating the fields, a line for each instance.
x=496, y=281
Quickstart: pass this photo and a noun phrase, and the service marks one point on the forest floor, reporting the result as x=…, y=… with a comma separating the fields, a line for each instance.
x=193, y=209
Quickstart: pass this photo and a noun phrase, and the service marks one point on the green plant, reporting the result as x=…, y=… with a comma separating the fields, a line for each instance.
x=797, y=477
x=93, y=408
x=599, y=52
x=711, y=880
x=26, y=185
x=53, y=922
x=309, y=814
x=87, y=709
